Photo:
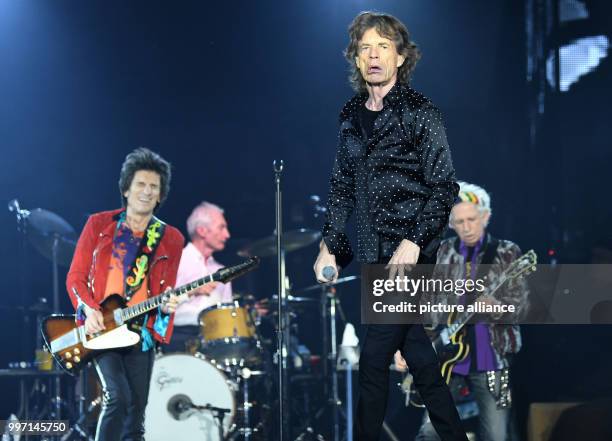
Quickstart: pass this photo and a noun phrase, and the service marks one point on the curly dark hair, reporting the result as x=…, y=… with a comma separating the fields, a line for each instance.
x=389, y=27
x=144, y=159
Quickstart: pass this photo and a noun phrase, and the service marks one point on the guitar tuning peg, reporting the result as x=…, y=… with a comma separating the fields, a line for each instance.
x=77, y=359
x=68, y=355
x=68, y=365
x=76, y=351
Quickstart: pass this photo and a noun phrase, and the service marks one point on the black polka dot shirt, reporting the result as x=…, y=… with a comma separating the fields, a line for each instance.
x=400, y=181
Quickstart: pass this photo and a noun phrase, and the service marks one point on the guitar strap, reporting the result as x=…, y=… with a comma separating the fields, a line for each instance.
x=138, y=270
x=488, y=256
x=489, y=253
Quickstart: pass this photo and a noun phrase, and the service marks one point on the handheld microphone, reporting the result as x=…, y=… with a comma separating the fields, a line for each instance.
x=329, y=272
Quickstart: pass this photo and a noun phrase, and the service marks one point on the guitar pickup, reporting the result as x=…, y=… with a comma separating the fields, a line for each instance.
x=444, y=336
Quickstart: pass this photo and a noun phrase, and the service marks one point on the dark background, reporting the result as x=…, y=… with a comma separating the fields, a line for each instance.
x=222, y=89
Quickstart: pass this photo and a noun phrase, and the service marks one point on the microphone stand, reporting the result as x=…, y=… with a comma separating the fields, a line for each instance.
x=22, y=227
x=283, y=326
x=218, y=413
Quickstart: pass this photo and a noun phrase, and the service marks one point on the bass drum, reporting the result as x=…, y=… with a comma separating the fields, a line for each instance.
x=180, y=381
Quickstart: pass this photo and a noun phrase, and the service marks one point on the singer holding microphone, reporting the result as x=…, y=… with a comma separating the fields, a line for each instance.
x=393, y=168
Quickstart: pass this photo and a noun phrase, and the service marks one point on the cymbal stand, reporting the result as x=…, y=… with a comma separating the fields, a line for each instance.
x=283, y=328
x=330, y=293
x=22, y=227
x=80, y=429
x=330, y=343
x=58, y=385
x=245, y=429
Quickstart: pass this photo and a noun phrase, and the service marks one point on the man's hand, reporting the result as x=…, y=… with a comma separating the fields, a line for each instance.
x=488, y=300
x=170, y=306
x=325, y=258
x=205, y=290
x=94, y=322
x=491, y=301
x=262, y=307
x=406, y=255
x=400, y=363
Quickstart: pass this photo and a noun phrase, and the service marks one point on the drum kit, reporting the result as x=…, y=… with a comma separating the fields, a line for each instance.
x=223, y=386
x=207, y=393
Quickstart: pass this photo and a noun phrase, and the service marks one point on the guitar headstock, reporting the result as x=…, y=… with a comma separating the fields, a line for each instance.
x=225, y=275
x=524, y=265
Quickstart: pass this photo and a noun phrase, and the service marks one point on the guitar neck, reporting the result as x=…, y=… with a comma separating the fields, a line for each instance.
x=134, y=311
x=457, y=326
x=524, y=265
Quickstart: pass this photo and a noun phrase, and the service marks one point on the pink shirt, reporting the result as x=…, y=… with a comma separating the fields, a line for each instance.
x=193, y=267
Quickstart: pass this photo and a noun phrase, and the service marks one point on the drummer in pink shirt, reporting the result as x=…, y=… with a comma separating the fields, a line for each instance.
x=208, y=231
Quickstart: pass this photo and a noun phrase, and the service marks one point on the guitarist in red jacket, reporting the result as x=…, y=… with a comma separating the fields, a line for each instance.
x=488, y=346
x=131, y=253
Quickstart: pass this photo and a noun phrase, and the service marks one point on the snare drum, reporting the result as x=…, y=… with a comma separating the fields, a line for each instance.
x=178, y=383
x=229, y=336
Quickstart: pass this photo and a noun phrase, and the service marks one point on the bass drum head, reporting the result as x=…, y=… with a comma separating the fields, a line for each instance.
x=177, y=381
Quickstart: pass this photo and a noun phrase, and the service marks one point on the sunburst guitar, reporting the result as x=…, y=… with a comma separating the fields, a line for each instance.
x=71, y=347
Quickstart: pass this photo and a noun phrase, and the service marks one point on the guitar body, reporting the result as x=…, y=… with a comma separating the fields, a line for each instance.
x=449, y=355
x=450, y=344
x=72, y=348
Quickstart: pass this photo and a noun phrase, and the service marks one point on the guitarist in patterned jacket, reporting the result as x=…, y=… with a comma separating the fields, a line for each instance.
x=132, y=253
x=485, y=367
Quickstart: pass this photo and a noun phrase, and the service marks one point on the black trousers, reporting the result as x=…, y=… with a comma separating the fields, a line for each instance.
x=381, y=342
x=182, y=338
x=125, y=375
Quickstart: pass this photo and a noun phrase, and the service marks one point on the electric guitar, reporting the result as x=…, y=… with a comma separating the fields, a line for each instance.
x=449, y=343
x=72, y=348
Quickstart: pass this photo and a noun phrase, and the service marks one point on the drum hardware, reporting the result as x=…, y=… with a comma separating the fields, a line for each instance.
x=348, y=360
x=180, y=405
x=229, y=337
x=80, y=429
x=246, y=430
x=328, y=292
x=317, y=287
x=292, y=240
x=330, y=303
x=50, y=234
x=319, y=209
x=88, y=402
x=294, y=302
x=189, y=399
x=55, y=239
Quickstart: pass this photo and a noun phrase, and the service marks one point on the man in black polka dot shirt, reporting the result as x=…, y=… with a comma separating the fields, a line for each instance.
x=393, y=168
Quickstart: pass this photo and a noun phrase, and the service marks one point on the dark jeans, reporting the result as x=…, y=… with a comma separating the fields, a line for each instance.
x=125, y=375
x=493, y=422
x=381, y=342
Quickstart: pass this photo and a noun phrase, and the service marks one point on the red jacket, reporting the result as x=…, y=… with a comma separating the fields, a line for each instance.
x=89, y=268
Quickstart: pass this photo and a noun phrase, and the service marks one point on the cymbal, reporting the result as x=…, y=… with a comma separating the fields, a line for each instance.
x=292, y=240
x=319, y=286
x=296, y=301
x=46, y=230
